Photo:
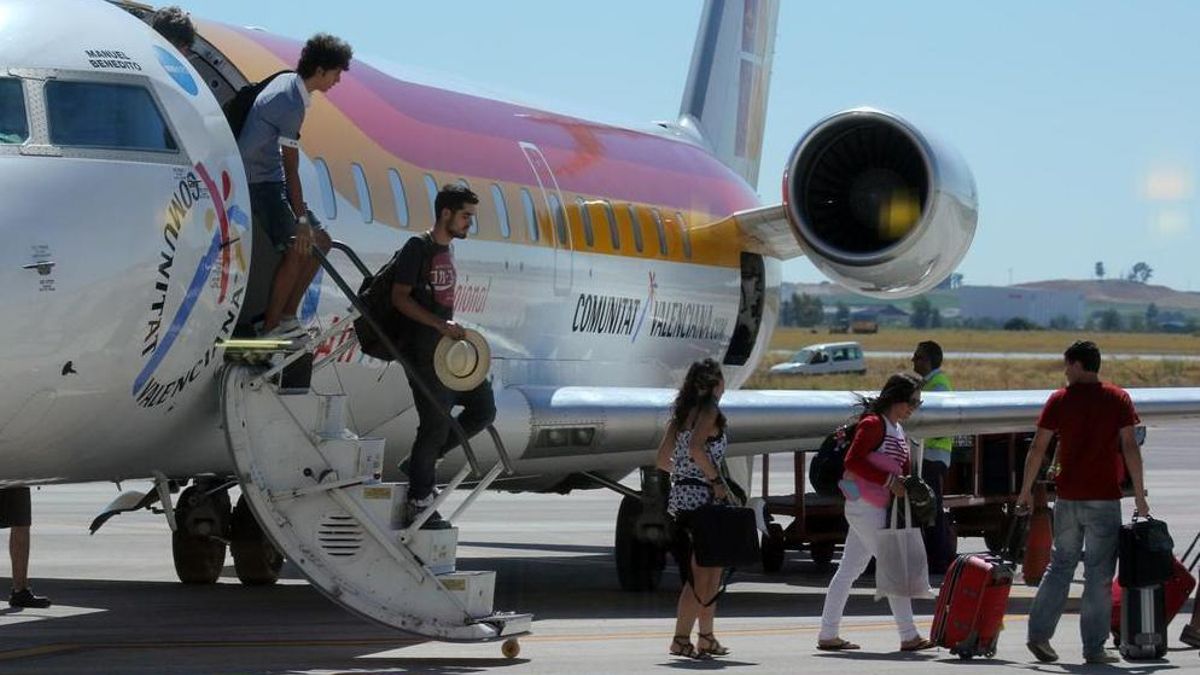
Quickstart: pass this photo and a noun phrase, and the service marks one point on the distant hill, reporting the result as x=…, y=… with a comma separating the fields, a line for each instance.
x=1119, y=290
x=1098, y=294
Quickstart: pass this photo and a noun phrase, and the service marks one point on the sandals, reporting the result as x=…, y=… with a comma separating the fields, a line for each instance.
x=714, y=648
x=917, y=644
x=837, y=645
x=682, y=646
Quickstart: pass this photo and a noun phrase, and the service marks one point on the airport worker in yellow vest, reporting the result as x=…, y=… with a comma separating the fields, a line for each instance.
x=939, y=545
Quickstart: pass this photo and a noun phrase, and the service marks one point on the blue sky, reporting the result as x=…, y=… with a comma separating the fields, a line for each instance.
x=1078, y=118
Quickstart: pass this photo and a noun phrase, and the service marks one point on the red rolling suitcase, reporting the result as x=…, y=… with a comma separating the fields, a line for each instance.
x=1176, y=590
x=971, y=604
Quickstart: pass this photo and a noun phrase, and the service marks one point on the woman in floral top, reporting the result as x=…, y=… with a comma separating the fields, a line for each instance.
x=691, y=450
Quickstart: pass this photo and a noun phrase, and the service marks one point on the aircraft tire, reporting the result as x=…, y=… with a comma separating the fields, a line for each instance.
x=199, y=558
x=255, y=558
x=639, y=563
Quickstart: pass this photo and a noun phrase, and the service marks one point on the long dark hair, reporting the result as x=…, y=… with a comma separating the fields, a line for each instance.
x=900, y=387
x=696, y=393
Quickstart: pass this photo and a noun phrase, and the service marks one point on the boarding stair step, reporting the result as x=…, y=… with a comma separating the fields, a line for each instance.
x=316, y=488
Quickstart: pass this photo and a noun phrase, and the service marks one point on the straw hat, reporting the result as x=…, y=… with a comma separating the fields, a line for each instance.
x=462, y=365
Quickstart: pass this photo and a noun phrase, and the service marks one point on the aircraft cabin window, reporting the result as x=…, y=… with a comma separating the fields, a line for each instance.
x=589, y=236
x=474, y=219
x=106, y=115
x=687, y=236
x=662, y=231
x=14, y=125
x=614, y=235
x=325, y=181
x=398, y=197
x=530, y=214
x=501, y=211
x=636, y=224
x=560, y=220
x=364, y=193
x=431, y=190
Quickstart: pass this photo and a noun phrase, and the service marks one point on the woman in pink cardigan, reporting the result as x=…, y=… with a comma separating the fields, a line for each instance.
x=875, y=465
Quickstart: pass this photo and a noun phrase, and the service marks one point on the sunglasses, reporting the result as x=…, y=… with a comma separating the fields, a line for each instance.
x=915, y=402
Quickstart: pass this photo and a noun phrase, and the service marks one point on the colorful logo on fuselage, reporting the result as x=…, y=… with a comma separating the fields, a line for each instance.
x=227, y=222
x=177, y=70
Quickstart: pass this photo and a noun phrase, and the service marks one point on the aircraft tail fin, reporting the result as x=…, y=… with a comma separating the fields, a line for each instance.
x=725, y=100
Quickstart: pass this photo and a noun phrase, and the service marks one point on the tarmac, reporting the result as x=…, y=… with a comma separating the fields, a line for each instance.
x=118, y=608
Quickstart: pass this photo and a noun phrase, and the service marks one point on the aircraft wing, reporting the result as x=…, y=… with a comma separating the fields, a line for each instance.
x=624, y=424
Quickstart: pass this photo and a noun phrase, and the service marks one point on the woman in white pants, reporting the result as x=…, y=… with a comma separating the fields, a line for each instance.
x=875, y=464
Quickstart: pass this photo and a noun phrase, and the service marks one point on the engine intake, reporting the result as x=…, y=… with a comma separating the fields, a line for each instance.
x=877, y=206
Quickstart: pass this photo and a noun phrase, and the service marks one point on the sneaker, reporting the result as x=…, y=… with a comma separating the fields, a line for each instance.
x=26, y=598
x=436, y=522
x=1101, y=659
x=288, y=329
x=414, y=508
x=1042, y=651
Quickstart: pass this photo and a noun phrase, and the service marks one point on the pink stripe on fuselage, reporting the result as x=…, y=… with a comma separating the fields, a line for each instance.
x=469, y=135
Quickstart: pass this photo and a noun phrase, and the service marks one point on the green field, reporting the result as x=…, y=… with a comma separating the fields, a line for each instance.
x=962, y=340
x=976, y=374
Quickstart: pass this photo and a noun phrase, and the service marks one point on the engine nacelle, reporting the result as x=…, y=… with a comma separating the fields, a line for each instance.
x=877, y=206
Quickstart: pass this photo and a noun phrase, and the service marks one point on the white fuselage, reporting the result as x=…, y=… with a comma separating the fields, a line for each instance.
x=107, y=355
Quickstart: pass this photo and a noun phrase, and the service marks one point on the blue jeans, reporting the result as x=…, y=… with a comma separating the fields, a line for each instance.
x=1080, y=525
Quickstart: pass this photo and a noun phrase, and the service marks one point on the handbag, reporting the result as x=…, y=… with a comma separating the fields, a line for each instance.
x=724, y=536
x=901, y=568
x=1146, y=553
x=921, y=501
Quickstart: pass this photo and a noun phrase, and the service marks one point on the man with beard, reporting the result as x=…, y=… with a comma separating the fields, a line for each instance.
x=423, y=293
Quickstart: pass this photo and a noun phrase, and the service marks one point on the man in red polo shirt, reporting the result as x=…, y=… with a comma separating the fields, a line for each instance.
x=1094, y=421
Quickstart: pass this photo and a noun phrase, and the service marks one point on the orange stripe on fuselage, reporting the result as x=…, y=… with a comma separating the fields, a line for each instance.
x=330, y=135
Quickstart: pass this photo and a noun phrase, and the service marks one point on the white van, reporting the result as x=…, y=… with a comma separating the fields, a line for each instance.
x=824, y=359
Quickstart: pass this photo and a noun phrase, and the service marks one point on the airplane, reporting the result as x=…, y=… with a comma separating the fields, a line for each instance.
x=604, y=261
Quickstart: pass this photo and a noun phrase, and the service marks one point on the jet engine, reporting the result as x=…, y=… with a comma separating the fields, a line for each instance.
x=877, y=206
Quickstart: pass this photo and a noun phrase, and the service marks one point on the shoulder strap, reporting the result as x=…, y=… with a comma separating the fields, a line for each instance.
x=426, y=259
x=882, y=428
x=262, y=84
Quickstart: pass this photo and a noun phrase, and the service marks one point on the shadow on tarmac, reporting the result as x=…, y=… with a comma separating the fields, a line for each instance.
x=229, y=627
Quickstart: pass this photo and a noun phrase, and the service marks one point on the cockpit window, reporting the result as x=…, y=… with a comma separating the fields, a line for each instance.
x=105, y=115
x=14, y=126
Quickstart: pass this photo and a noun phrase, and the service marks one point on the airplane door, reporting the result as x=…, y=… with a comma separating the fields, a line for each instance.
x=552, y=197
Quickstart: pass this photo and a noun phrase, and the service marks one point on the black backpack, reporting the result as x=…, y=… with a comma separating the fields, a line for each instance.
x=828, y=465
x=237, y=109
x=376, y=293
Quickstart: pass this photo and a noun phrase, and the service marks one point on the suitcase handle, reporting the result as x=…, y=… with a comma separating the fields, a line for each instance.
x=1188, y=552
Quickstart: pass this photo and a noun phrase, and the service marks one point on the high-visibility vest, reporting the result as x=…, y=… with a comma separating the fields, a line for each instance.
x=938, y=449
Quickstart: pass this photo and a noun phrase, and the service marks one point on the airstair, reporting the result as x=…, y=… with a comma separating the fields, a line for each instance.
x=316, y=489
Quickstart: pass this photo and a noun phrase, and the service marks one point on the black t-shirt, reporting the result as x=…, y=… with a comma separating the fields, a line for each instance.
x=435, y=292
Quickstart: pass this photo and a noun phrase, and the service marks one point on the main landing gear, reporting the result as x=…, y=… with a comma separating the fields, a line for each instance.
x=642, y=535
x=205, y=525
x=201, y=526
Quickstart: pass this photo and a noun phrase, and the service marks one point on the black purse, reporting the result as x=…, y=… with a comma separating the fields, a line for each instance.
x=1146, y=553
x=724, y=536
